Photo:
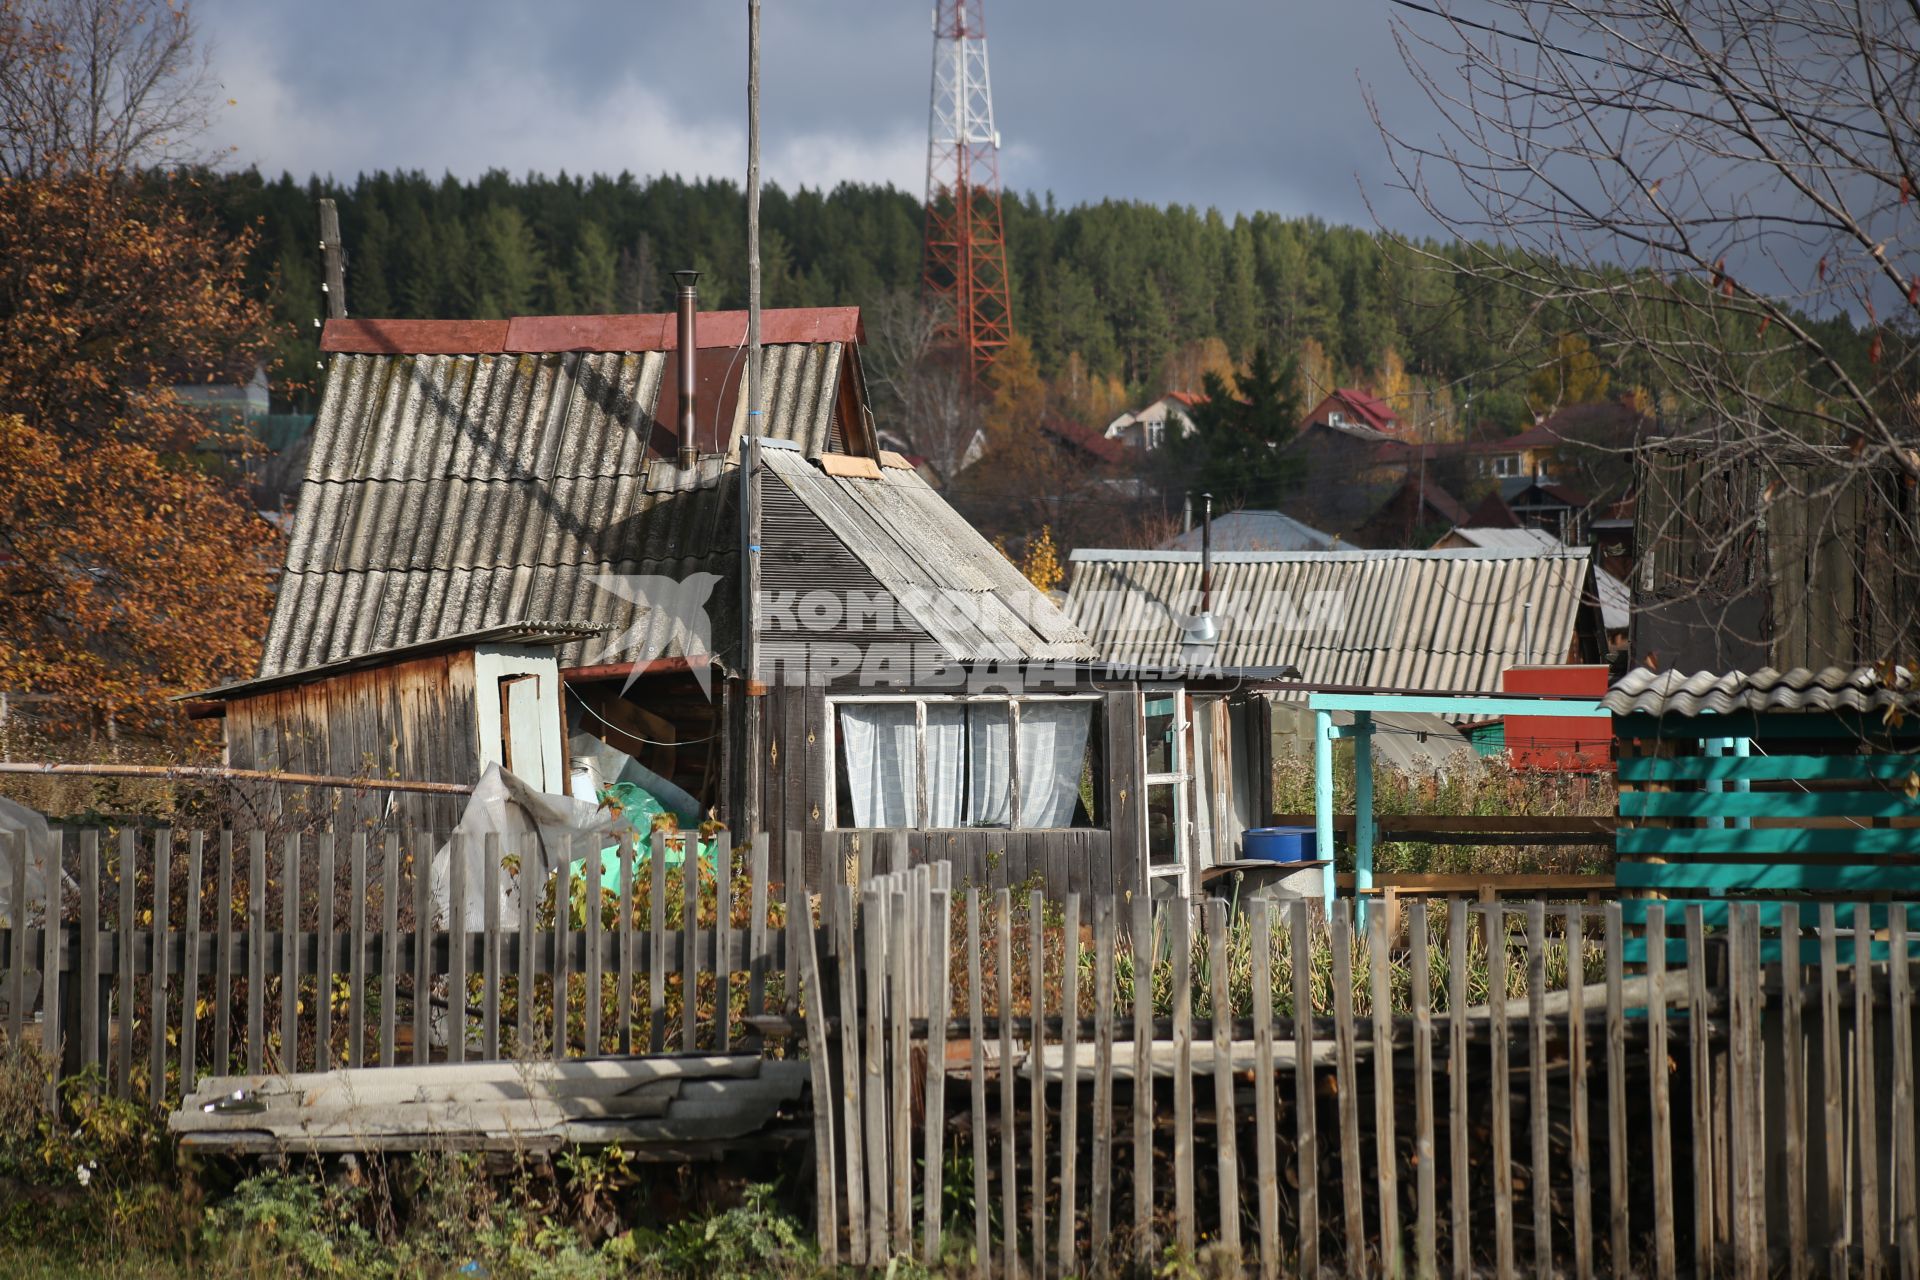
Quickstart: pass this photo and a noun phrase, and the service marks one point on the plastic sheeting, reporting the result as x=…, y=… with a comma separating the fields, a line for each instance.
x=542, y=828
x=23, y=828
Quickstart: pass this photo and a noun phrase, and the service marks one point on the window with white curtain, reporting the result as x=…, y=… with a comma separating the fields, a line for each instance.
x=963, y=760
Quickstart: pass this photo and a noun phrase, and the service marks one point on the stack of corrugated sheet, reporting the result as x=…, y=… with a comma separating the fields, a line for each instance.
x=660, y=1107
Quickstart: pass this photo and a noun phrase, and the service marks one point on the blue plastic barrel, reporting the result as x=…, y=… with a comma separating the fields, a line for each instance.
x=1277, y=844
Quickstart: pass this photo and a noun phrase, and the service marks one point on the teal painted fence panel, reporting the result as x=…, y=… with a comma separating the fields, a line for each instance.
x=1763, y=877
x=1768, y=804
x=1659, y=842
x=1768, y=768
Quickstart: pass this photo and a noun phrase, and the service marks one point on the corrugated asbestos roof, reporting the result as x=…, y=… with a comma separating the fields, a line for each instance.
x=968, y=596
x=1702, y=693
x=447, y=493
x=1444, y=620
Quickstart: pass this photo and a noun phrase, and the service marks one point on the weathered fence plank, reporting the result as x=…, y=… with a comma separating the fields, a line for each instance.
x=129, y=888
x=1266, y=1158
x=1100, y=1210
x=1003, y=1007
x=939, y=1007
x=1347, y=1084
x=1226, y=1148
x=977, y=1086
x=1579, y=1157
x=1665, y=1260
x=1142, y=956
x=1618, y=1241
x=1069, y=1084
x=1037, y=1099
x=1699, y=1051
x=1867, y=1126
x=158, y=1013
x=1458, y=1128
x=1306, y=1125
x=1386, y=1157
x=1539, y=1176
x=325, y=885
x=1426, y=1247
x=1501, y=1090
x=1185, y=1224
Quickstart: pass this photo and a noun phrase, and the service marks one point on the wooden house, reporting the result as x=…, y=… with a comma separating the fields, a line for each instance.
x=894, y=670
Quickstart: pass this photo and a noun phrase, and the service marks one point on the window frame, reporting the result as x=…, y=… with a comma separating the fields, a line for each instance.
x=1180, y=779
x=830, y=810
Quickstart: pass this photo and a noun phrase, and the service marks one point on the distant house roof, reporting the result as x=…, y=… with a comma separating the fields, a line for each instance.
x=1255, y=531
x=1507, y=539
x=1187, y=398
x=1492, y=513
x=509, y=469
x=1674, y=693
x=1095, y=444
x=1370, y=410
x=1451, y=620
x=1530, y=489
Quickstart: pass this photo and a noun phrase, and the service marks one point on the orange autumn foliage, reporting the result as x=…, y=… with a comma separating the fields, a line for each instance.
x=123, y=579
x=130, y=568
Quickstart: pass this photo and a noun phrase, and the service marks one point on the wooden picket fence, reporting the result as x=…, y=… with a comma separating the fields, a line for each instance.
x=185, y=954
x=1713, y=1109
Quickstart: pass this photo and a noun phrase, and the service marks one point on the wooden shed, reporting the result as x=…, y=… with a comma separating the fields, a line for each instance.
x=437, y=711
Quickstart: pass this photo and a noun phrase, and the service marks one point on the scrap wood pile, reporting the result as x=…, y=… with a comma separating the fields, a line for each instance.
x=655, y=1107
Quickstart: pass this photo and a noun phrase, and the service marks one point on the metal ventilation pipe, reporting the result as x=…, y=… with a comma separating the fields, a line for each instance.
x=687, y=310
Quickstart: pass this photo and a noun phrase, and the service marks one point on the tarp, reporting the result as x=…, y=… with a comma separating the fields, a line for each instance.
x=546, y=830
x=22, y=828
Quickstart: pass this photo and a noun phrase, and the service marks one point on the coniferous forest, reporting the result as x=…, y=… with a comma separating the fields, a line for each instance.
x=1122, y=299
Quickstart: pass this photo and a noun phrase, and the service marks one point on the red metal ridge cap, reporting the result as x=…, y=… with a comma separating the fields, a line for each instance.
x=539, y=334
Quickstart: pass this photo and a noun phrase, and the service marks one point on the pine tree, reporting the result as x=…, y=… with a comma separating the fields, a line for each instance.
x=1238, y=449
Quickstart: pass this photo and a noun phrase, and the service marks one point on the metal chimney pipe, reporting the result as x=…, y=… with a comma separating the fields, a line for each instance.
x=1206, y=556
x=687, y=309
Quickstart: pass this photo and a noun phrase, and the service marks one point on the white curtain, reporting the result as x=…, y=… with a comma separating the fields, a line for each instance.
x=879, y=747
x=989, y=764
x=968, y=764
x=1053, y=753
x=947, y=764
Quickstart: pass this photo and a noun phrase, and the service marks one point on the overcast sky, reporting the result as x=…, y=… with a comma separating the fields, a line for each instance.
x=1237, y=104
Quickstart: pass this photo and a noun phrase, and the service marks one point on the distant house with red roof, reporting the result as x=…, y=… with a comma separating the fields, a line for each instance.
x=1146, y=428
x=1346, y=409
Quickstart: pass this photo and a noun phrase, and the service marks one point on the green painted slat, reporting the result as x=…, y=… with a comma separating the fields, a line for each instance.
x=1858, y=841
x=1768, y=804
x=1478, y=706
x=1713, y=912
x=1763, y=877
x=1766, y=768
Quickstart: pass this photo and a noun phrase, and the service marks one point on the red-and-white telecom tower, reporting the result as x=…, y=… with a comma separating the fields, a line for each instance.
x=966, y=246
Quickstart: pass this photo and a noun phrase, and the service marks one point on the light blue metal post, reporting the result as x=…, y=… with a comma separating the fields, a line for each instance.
x=1362, y=804
x=1714, y=748
x=1323, y=798
x=1742, y=749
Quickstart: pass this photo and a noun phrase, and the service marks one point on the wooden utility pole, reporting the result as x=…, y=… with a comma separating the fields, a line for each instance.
x=335, y=285
x=746, y=809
